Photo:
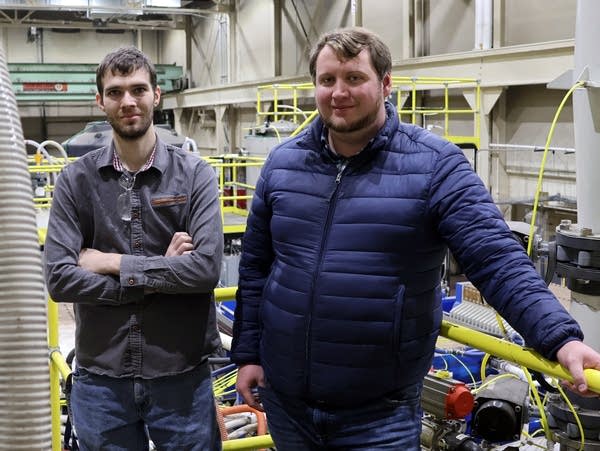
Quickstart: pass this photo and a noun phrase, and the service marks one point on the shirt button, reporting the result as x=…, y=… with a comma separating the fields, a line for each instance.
x=135, y=215
x=131, y=281
x=136, y=328
x=137, y=244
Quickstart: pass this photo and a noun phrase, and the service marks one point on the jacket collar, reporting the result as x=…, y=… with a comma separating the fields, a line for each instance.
x=312, y=138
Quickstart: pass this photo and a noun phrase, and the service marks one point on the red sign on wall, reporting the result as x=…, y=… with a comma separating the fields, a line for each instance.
x=45, y=87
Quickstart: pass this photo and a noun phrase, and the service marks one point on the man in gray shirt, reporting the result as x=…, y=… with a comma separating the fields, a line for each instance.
x=135, y=243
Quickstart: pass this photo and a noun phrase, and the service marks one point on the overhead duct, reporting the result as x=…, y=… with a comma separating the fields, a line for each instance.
x=106, y=13
x=90, y=4
x=25, y=418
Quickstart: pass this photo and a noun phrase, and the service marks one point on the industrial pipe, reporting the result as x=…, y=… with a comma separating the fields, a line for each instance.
x=25, y=417
x=514, y=353
x=249, y=443
x=225, y=294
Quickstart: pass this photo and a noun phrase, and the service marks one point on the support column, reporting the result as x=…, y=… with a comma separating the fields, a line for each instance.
x=222, y=146
x=277, y=35
x=499, y=182
x=489, y=97
x=356, y=10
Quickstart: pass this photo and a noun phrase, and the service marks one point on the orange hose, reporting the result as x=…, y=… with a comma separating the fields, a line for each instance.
x=261, y=421
x=221, y=423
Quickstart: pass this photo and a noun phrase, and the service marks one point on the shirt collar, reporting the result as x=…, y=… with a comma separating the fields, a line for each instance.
x=118, y=164
x=336, y=156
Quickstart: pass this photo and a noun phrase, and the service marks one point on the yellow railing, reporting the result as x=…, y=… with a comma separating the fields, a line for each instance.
x=407, y=90
x=235, y=193
x=59, y=371
x=270, y=102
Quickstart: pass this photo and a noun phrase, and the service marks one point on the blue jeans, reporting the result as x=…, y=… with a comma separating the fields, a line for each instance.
x=388, y=423
x=117, y=414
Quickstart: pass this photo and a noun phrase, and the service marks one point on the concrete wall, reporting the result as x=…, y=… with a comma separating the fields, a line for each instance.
x=241, y=47
x=254, y=41
x=537, y=20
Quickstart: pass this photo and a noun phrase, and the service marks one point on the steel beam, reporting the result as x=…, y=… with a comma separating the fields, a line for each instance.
x=516, y=65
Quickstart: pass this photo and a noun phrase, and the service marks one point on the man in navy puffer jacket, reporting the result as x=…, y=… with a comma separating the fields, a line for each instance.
x=338, y=306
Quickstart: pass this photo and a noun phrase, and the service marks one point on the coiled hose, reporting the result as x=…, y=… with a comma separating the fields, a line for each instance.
x=25, y=417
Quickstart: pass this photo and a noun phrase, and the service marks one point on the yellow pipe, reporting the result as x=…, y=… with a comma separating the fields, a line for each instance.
x=58, y=361
x=275, y=104
x=55, y=408
x=477, y=113
x=225, y=294
x=514, y=353
x=54, y=376
x=249, y=443
x=295, y=105
x=58, y=369
x=305, y=123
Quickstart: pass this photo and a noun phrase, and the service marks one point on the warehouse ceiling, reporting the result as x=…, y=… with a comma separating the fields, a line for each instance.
x=106, y=14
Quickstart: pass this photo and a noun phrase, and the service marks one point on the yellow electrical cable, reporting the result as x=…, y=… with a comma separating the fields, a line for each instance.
x=501, y=326
x=574, y=412
x=494, y=379
x=276, y=132
x=532, y=436
x=538, y=402
x=536, y=433
x=466, y=368
x=484, y=362
x=543, y=164
x=536, y=199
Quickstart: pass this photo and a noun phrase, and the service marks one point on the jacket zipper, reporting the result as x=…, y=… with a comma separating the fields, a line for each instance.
x=331, y=209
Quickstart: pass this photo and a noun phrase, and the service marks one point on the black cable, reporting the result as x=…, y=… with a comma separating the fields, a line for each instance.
x=539, y=377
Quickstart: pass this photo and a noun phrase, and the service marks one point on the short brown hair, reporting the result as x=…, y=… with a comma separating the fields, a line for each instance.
x=124, y=61
x=347, y=43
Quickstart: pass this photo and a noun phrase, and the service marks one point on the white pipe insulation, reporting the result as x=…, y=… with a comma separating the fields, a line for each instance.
x=25, y=417
x=484, y=14
x=586, y=119
x=586, y=113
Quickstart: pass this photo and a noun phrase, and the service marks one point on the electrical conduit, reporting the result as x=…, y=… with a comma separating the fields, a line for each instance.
x=25, y=417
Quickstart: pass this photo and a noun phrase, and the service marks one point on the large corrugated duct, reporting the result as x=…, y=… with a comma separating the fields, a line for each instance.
x=25, y=417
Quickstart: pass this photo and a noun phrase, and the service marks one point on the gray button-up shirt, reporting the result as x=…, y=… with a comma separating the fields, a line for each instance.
x=158, y=317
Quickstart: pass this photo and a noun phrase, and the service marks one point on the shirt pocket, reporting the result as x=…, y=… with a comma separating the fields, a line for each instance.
x=170, y=211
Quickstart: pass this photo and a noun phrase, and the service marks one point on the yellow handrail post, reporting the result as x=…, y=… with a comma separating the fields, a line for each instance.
x=275, y=104
x=295, y=105
x=222, y=191
x=446, y=108
x=477, y=121
x=414, y=102
x=258, y=111
x=54, y=375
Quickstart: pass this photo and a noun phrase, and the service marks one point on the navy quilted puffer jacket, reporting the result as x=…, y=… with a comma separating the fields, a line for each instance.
x=339, y=289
